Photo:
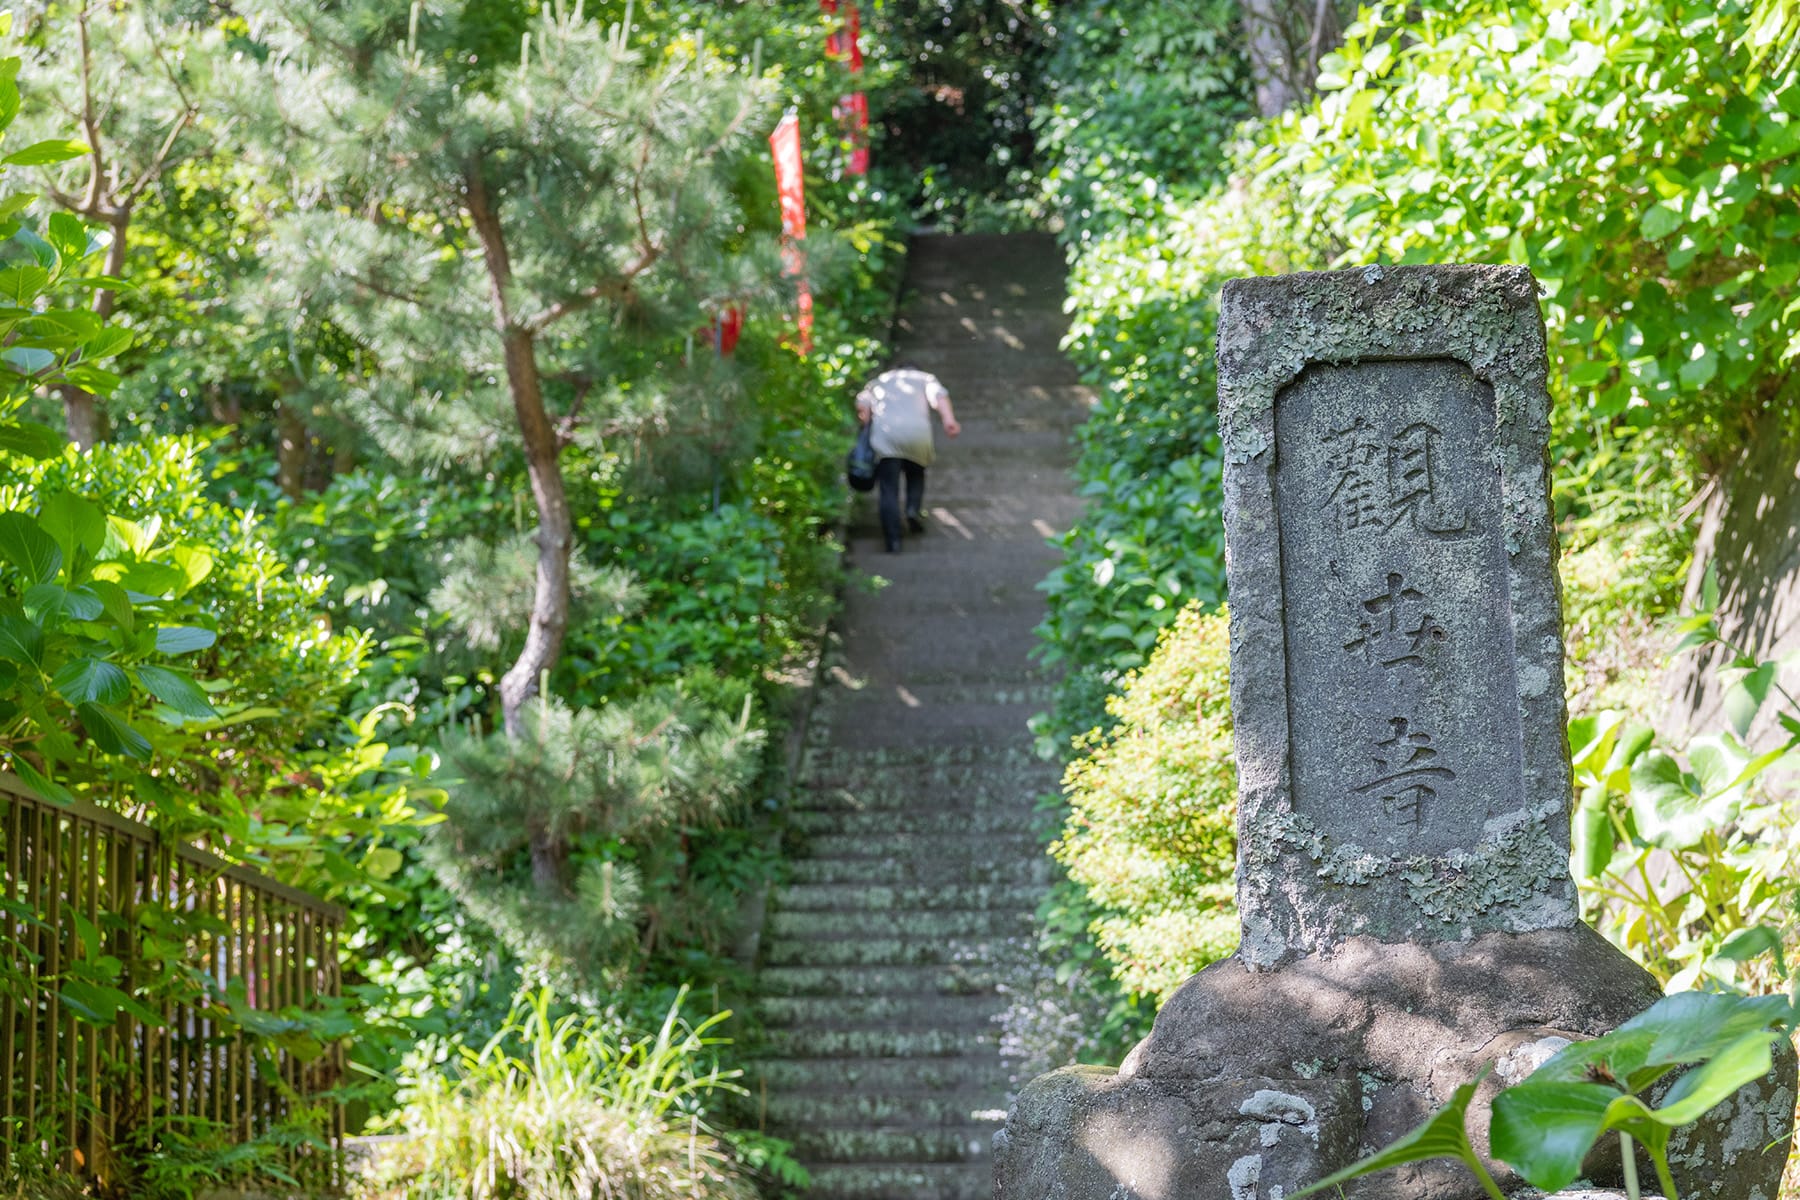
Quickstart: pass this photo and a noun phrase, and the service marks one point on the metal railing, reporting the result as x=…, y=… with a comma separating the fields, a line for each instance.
x=142, y=991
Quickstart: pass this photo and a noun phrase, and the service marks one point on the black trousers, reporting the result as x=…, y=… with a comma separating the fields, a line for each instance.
x=887, y=480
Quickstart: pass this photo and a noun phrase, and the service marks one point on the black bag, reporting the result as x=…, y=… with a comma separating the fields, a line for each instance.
x=859, y=465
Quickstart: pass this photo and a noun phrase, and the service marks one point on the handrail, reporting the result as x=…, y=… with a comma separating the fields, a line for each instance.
x=87, y=810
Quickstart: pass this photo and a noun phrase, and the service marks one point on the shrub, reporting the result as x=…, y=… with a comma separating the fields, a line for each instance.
x=1152, y=825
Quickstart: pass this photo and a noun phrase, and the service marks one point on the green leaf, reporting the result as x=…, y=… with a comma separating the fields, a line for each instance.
x=1712, y=1082
x=21, y=641
x=1544, y=1129
x=88, y=680
x=108, y=342
x=1660, y=220
x=1665, y=805
x=1593, y=838
x=111, y=733
x=177, y=691
x=101, y=1005
x=1442, y=1136
x=74, y=522
x=1749, y=943
x=66, y=232
x=45, y=787
x=54, y=600
x=118, y=604
x=42, y=154
x=23, y=283
x=1692, y=1026
x=28, y=360
x=194, y=562
x=383, y=862
x=1744, y=696
x=183, y=639
x=25, y=545
x=42, y=252
x=28, y=439
x=1718, y=760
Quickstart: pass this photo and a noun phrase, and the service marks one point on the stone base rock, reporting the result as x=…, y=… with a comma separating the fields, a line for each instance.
x=1255, y=1083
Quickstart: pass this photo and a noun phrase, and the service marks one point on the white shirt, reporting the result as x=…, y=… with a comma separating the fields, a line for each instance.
x=900, y=405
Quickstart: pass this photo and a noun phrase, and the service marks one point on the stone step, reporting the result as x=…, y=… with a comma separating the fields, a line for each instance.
x=978, y=442
x=884, y=1106
x=928, y=596
x=923, y=847
x=885, y=721
x=931, y=695
x=850, y=898
x=873, y=785
x=892, y=872
x=974, y=1013
x=865, y=1077
x=1019, y=561
x=860, y=1144
x=961, y=923
x=883, y=951
x=821, y=763
x=910, y=1181
x=882, y=1043
x=896, y=793
x=954, y=979
x=979, y=325
x=960, y=819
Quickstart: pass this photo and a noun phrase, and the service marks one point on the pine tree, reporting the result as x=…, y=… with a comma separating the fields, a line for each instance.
x=619, y=779
x=135, y=80
x=501, y=233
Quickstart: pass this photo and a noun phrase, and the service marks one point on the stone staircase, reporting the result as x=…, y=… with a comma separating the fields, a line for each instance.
x=915, y=868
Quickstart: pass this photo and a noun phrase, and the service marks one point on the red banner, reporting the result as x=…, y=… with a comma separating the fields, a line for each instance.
x=853, y=114
x=790, y=186
x=852, y=110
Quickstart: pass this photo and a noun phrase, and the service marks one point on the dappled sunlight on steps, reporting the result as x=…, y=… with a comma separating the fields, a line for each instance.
x=915, y=859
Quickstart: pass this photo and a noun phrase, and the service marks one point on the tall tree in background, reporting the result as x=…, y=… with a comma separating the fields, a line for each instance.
x=1285, y=41
x=134, y=78
x=499, y=220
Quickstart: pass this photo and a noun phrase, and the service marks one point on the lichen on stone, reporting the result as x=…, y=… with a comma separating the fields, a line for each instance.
x=1353, y=866
x=1508, y=869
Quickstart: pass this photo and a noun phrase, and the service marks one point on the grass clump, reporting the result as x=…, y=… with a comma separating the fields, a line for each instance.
x=566, y=1108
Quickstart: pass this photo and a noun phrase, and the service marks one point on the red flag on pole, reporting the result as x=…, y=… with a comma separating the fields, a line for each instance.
x=790, y=186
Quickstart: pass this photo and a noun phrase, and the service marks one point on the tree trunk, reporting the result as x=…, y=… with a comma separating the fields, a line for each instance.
x=1266, y=46
x=555, y=534
x=290, y=448
x=81, y=410
x=1750, y=533
x=1284, y=41
x=549, y=864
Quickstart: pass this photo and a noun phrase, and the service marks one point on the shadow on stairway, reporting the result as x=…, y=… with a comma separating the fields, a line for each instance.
x=915, y=870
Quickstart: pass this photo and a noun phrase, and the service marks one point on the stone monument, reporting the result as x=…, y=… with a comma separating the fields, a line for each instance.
x=1397, y=691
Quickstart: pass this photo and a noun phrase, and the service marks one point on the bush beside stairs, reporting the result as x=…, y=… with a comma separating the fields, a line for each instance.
x=914, y=866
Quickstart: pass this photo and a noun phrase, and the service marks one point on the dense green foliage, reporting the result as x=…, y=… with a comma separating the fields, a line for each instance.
x=319, y=534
